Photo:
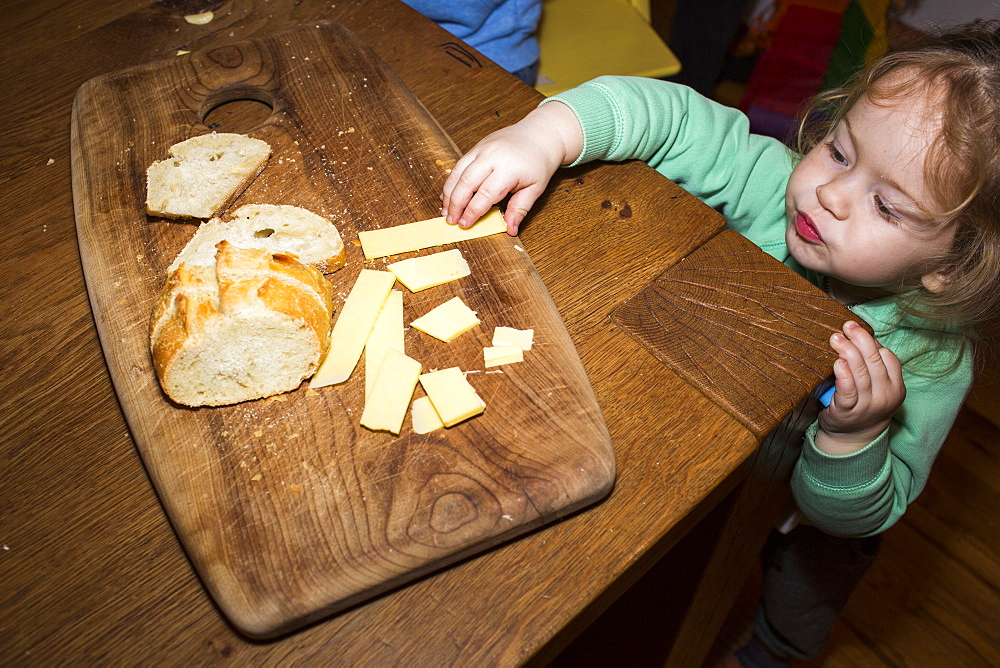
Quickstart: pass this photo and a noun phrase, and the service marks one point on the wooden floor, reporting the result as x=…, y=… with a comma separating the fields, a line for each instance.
x=931, y=599
x=933, y=596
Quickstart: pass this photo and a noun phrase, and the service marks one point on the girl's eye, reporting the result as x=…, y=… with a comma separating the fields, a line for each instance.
x=884, y=211
x=835, y=153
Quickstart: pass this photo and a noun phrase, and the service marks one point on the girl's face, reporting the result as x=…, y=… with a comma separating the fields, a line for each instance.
x=858, y=205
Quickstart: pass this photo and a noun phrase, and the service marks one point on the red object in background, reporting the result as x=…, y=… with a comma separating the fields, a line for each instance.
x=790, y=71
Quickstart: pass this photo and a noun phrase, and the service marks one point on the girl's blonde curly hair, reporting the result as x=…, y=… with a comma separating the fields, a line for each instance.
x=963, y=164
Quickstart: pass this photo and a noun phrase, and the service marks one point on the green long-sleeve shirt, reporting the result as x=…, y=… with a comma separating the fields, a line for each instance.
x=707, y=149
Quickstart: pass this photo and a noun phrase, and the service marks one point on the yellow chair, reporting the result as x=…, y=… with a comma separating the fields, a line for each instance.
x=583, y=39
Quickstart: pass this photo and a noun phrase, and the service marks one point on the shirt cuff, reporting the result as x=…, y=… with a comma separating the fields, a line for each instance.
x=598, y=115
x=856, y=469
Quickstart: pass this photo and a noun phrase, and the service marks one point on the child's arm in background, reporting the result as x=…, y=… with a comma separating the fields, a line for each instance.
x=519, y=159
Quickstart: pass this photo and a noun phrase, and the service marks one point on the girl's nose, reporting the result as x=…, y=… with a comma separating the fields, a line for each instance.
x=833, y=197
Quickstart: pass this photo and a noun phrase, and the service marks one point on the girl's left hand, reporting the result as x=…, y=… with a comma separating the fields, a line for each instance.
x=869, y=391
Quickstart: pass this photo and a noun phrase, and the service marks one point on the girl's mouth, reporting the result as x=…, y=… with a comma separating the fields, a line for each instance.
x=805, y=229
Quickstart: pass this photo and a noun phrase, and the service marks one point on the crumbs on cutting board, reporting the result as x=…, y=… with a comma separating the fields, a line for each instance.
x=203, y=18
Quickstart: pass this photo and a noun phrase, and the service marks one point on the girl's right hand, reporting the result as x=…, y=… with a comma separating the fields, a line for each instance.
x=519, y=159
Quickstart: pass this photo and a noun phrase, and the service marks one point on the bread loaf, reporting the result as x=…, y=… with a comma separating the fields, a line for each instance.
x=203, y=175
x=250, y=324
x=281, y=228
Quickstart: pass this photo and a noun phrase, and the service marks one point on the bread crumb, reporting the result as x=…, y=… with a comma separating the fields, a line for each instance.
x=51, y=161
x=310, y=392
x=258, y=433
x=181, y=52
x=295, y=489
x=256, y=478
x=201, y=19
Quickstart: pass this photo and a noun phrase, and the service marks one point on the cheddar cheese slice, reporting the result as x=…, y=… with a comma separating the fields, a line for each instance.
x=497, y=355
x=350, y=332
x=385, y=406
x=386, y=333
x=426, y=234
x=447, y=320
x=453, y=398
x=420, y=273
x=425, y=418
x=508, y=336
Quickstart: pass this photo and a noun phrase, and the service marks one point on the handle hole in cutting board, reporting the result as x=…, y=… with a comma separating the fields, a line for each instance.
x=238, y=112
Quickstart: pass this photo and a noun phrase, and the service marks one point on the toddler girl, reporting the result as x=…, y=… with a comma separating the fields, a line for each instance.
x=893, y=208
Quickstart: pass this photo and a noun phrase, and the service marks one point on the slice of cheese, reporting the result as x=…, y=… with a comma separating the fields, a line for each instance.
x=420, y=273
x=425, y=418
x=386, y=333
x=508, y=336
x=498, y=355
x=453, y=398
x=353, y=326
x=386, y=406
x=448, y=320
x=427, y=234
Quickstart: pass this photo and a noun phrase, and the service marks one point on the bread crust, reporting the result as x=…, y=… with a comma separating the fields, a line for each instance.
x=278, y=227
x=254, y=324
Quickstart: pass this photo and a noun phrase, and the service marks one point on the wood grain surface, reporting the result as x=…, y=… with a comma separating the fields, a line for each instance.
x=91, y=570
x=288, y=508
x=755, y=346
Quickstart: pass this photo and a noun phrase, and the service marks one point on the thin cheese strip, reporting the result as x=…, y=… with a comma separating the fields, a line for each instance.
x=426, y=271
x=453, y=398
x=387, y=333
x=426, y=234
x=386, y=406
x=353, y=326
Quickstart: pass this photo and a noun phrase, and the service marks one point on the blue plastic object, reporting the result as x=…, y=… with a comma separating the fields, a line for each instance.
x=827, y=396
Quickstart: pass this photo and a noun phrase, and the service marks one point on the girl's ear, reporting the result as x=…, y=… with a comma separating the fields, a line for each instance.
x=934, y=281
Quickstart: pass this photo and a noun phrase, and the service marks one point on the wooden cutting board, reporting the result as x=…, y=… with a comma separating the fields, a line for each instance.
x=288, y=508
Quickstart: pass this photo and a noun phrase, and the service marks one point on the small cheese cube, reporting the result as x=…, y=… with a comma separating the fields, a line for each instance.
x=386, y=406
x=498, y=355
x=508, y=336
x=425, y=418
x=447, y=320
x=420, y=273
x=453, y=398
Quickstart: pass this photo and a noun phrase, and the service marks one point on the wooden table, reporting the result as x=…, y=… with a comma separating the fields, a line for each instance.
x=90, y=569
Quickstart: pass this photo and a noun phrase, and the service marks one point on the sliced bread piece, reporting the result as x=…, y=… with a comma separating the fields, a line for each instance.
x=284, y=228
x=204, y=175
x=251, y=324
